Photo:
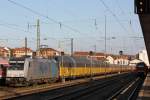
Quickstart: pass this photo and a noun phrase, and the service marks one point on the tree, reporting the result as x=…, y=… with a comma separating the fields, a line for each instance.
x=120, y=52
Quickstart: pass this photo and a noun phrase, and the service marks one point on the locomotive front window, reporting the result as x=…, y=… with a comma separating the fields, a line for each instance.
x=16, y=66
x=140, y=65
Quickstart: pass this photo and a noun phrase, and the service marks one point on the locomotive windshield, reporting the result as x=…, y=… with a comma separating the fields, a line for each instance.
x=141, y=65
x=16, y=65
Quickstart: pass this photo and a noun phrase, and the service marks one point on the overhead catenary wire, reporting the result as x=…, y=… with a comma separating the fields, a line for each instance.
x=44, y=16
x=60, y=24
x=13, y=26
x=114, y=15
x=130, y=25
x=7, y=26
x=130, y=21
x=117, y=2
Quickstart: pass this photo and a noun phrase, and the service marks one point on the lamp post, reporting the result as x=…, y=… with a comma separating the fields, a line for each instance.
x=105, y=41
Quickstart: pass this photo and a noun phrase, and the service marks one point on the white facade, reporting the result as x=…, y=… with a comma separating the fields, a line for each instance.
x=121, y=61
x=118, y=61
x=110, y=60
x=144, y=57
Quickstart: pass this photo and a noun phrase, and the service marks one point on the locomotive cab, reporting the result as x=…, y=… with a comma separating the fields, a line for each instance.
x=15, y=73
x=141, y=69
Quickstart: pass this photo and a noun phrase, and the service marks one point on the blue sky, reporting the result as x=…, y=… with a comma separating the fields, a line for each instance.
x=77, y=14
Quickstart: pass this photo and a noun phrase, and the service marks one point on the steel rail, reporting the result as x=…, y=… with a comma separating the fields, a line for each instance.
x=85, y=86
x=84, y=91
x=124, y=90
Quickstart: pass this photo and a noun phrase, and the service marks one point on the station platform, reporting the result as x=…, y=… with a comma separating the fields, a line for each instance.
x=144, y=93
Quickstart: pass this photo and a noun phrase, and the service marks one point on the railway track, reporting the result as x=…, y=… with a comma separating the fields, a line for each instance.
x=73, y=95
x=10, y=92
x=129, y=91
x=101, y=88
x=104, y=92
